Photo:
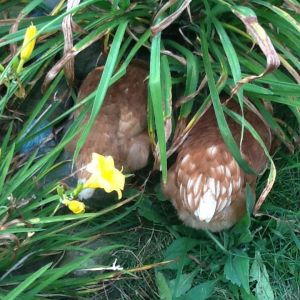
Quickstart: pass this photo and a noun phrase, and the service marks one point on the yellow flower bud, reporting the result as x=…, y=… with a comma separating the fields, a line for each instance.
x=28, y=43
x=75, y=206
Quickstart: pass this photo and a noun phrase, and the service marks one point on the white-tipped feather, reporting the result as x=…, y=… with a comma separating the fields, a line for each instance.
x=197, y=184
x=240, y=181
x=207, y=207
x=181, y=191
x=197, y=200
x=236, y=184
x=227, y=172
x=220, y=170
x=196, y=212
x=211, y=185
x=224, y=190
x=223, y=204
x=229, y=191
x=232, y=164
x=218, y=189
x=185, y=196
x=212, y=150
x=190, y=184
x=185, y=159
x=190, y=200
x=228, y=202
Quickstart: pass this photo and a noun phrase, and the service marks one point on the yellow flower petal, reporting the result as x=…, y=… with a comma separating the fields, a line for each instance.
x=104, y=175
x=96, y=181
x=118, y=179
x=119, y=194
x=28, y=43
x=107, y=162
x=76, y=207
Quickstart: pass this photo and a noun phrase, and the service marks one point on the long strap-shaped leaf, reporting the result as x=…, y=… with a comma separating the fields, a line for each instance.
x=272, y=174
x=223, y=126
x=192, y=76
x=26, y=283
x=232, y=57
x=104, y=82
x=157, y=102
x=281, y=13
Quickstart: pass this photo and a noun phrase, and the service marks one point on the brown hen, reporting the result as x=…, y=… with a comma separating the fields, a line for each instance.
x=120, y=129
x=205, y=184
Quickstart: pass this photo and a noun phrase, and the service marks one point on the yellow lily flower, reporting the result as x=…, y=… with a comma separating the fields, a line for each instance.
x=28, y=46
x=75, y=206
x=104, y=175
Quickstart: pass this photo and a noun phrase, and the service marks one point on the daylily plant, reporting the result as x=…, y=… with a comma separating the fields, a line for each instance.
x=104, y=175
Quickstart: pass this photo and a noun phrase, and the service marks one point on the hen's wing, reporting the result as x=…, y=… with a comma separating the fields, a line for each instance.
x=208, y=179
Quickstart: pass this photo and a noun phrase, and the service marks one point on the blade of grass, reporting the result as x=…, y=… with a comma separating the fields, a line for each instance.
x=16, y=292
x=157, y=101
x=223, y=126
x=272, y=174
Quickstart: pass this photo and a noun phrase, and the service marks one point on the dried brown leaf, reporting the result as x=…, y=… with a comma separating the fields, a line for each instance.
x=14, y=29
x=7, y=238
x=67, y=56
x=292, y=5
x=266, y=190
x=259, y=36
x=171, y=18
x=56, y=69
x=68, y=42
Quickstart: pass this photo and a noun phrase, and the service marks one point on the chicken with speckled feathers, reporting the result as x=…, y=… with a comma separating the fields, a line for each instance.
x=205, y=184
x=120, y=129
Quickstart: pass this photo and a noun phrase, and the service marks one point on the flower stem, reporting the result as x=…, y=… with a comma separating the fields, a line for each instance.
x=217, y=241
x=20, y=66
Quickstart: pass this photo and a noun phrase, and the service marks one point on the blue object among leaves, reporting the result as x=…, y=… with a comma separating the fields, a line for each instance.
x=44, y=8
x=38, y=141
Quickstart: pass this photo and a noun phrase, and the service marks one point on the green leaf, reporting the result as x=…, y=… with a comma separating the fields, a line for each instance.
x=64, y=270
x=184, y=284
x=231, y=56
x=272, y=174
x=157, y=101
x=5, y=165
x=223, y=126
x=242, y=229
x=237, y=269
x=295, y=239
x=282, y=14
x=192, y=75
x=259, y=273
x=179, y=249
x=26, y=283
x=246, y=296
x=201, y=291
x=147, y=210
x=163, y=288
